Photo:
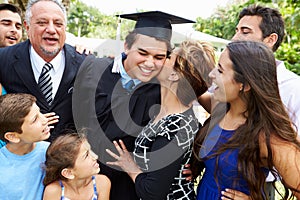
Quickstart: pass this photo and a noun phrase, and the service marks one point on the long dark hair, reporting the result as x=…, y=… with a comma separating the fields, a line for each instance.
x=254, y=65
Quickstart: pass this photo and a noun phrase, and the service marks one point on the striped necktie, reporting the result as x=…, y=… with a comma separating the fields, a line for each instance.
x=45, y=82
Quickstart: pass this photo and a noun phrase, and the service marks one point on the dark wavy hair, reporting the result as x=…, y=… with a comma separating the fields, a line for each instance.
x=11, y=7
x=272, y=21
x=253, y=65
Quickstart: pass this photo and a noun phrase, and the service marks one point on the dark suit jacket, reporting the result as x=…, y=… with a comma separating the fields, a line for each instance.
x=17, y=76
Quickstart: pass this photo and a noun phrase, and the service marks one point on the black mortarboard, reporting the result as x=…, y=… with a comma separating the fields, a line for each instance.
x=155, y=23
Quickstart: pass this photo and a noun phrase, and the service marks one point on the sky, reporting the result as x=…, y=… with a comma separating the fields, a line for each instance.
x=190, y=9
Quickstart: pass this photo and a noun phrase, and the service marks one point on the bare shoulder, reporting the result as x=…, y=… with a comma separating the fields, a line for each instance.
x=278, y=146
x=52, y=191
x=102, y=180
x=103, y=186
x=281, y=146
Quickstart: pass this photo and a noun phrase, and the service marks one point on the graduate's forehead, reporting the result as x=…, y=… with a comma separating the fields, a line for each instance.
x=149, y=45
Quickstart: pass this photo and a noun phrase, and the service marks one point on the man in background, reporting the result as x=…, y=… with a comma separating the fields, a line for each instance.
x=10, y=25
x=10, y=28
x=258, y=23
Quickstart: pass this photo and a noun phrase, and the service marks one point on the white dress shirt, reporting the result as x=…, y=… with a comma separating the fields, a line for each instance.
x=289, y=87
x=56, y=72
x=119, y=68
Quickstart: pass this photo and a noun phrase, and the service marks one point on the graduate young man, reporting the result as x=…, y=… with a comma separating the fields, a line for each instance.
x=116, y=98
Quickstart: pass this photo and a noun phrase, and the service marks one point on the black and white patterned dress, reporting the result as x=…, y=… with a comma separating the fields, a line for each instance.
x=161, y=150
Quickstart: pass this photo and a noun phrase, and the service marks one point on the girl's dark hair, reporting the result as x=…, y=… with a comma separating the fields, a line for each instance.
x=254, y=65
x=62, y=153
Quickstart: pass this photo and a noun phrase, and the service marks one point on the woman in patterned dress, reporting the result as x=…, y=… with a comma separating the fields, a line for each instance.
x=164, y=145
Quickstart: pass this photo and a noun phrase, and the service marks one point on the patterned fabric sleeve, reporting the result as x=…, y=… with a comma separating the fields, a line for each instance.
x=181, y=128
x=166, y=147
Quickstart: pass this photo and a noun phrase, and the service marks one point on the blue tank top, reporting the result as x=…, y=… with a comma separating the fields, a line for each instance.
x=95, y=196
x=212, y=182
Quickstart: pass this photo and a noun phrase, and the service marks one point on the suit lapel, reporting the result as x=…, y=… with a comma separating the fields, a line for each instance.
x=70, y=71
x=24, y=71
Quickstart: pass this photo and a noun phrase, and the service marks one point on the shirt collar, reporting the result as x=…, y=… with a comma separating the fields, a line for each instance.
x=118, y=67
x=39, y=62
x=118, y=63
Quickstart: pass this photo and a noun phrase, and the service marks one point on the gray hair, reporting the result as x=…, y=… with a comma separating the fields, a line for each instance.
x=28, y=13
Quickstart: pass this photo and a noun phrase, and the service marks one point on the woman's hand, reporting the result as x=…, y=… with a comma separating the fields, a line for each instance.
x=187, y=172
x=52, y=118
x=230, y=194
x=124, y=160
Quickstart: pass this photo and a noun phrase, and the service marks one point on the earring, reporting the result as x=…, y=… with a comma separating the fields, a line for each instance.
x=242, y=88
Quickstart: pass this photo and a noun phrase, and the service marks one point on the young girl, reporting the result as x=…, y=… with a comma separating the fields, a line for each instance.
x=72, y=171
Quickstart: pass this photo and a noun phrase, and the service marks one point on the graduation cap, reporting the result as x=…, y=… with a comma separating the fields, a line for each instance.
x=155, y=24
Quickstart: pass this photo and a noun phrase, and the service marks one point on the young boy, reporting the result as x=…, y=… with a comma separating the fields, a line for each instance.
x=23, y=127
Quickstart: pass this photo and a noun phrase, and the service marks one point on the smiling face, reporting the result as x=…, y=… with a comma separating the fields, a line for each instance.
x=226, y=89
x=35, y=126
x=10, y=28
x=47, y=29
x=86, y=163
x=145, y=58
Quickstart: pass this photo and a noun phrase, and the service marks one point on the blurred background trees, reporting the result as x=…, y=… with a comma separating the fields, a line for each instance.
x=222, y=24
x=86, y=21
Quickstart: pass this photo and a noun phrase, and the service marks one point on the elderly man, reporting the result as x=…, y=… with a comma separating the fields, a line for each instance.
x=43, y=65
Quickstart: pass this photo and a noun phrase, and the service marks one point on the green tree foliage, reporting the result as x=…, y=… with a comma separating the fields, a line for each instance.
x=82, y=19
x=222, y=24
x=86, y=21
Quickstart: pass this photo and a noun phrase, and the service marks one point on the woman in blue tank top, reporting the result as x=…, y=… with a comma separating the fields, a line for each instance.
x=249, y=131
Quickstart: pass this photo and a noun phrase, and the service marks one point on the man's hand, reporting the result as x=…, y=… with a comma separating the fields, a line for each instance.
x=83, y=49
